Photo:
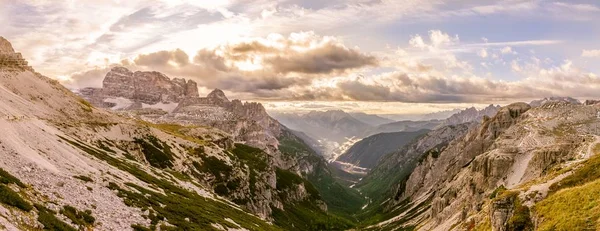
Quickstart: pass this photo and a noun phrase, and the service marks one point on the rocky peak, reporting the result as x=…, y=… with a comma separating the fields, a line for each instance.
x=5, y=46
x=10, y=59
x=540, y=102
x=148, y=87
x=218, y=95
x=471, y=115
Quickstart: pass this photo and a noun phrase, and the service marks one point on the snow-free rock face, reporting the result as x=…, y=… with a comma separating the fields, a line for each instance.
x=540, y=102
x=9, y=59
x=512, y=150
x=471, y=115
x=154, y=97
x=147, y=87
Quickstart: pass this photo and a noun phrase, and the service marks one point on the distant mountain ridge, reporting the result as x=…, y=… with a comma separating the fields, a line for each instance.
x=367, y=152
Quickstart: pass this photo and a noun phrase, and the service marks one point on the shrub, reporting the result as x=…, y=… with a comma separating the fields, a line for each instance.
x=497, y=191
x=84, y=178
x=78, y=217
x=7, y=178
x=10, y=197
x=50, y=221
x=157, y=153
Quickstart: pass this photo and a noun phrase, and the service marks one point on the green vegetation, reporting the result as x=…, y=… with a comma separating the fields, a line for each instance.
x=574, y=202
x=576, y=208
x=84, y=178
x=306, y=216
x=520, y=219
x=253, y=157
x=175, y=204
x=588, y=172
x=12, y=198
x=340, y=200
x=214, y=166
x=286, y=179
x=498, y=191
x=50, y=221
x=85, y=105
x=84, y=219
x=157, y=153
x=7, y=178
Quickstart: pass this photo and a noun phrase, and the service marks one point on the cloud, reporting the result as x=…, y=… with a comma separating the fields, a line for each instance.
x=590, y=53
x=517, y=43
x=508, y=50
x=483, y=53
x=578, y=7
x=161, y=58
x=261, y=67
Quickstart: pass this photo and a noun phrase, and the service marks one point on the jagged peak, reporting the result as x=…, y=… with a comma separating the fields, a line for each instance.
x=217, y=94
x=120, y=69
x=5, y=46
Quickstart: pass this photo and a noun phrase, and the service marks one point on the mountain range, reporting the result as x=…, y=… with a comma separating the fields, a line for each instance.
x=73, y=165
x=147, y=152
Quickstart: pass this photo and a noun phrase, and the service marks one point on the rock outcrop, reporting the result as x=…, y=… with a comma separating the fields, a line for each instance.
x=514, y=147
x=540, y=102
x=471, y=115
x=148, y=87
x=9, y=59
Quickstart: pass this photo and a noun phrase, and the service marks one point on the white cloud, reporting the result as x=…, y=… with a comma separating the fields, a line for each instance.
x=578, y=7
x=590, y=53
x=483, y=53
x=514, y=66
x=518, y=43
x=508, y=50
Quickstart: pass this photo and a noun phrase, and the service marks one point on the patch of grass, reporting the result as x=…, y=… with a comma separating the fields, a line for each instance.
x=520, y=219
x=157, y=153
x=497, y=191
x=576, y=208
x=305, y=216
x=50, y=221
x=214, y=166
x=253, y=157
x=485, y=225
x=84, y=178
x=7, y=178
x=12, y=198
x=588, y=172
x=85, y=105
x=136, y=227
x=80, y=218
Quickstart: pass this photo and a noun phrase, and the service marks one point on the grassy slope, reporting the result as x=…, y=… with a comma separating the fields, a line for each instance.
x=574, y=202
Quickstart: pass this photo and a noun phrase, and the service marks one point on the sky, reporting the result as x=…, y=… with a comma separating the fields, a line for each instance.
x=376, y=56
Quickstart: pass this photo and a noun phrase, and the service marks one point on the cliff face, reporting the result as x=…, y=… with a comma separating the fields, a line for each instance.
x=154, y=97
x=144, y=87
x=516, y=147
x=9, y=59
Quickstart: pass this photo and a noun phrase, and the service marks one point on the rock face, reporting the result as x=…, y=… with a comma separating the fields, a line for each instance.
x=146, y=87
x=471, y=115
x=540, y=102
x=514, y=147
x=247, y=122
x=154, y=97
x=9, y=58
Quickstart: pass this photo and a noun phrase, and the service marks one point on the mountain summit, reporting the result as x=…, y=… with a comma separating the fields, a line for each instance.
x=5, y=46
